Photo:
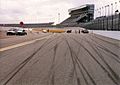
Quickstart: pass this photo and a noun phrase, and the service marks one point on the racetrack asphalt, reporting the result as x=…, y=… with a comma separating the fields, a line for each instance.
x=61, y=59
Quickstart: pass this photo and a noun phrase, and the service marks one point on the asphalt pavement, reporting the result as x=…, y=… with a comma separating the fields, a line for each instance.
x=61, y=59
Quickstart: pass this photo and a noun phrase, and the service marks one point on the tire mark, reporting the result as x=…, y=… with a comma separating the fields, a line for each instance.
x=115, y=75
x=116, y=58
x=51, y=75
x=76, y=60
x=114, y=44
x=104, y=48
x=78, y=80
x=74, y=64
x=48, y=51
x=110, y=76
x=22, y=64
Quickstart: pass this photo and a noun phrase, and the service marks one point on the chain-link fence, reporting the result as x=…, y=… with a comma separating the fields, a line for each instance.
x=105, y=23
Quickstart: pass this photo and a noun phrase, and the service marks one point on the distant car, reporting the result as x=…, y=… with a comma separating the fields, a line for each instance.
x=21, y=32
x=12, y=31
x=69, y=31
x=44, y=31
x=85, y=31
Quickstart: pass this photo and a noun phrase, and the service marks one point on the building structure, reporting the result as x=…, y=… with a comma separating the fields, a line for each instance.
x=81, y=14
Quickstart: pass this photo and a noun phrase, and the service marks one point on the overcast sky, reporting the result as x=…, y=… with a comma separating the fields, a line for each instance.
x=41, y=11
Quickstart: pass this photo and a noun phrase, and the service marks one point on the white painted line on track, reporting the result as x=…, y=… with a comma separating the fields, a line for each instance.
x=22, y=44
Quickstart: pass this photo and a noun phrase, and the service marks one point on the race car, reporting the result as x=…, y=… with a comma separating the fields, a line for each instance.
x=16, y=31
x=85, y=31
x=21, y=32
x=12, y=31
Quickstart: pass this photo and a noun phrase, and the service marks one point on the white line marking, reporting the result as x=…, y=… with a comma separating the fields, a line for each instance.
x=21, y=44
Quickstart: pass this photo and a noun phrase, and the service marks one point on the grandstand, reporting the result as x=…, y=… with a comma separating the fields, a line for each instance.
x=83, y=16
x=78, y=15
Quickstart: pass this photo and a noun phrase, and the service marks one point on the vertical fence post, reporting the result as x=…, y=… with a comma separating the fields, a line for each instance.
x=103, y=22
x=112, y=23
x=107, y=22
x=98, y=23
x=119, y=22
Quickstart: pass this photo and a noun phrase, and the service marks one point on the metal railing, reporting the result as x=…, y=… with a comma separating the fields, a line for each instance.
x=107, y=23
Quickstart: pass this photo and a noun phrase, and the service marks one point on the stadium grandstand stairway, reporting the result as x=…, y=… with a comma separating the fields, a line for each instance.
x=70, y=22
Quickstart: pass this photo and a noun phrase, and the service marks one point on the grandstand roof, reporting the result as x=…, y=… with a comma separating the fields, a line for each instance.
x=80, y=7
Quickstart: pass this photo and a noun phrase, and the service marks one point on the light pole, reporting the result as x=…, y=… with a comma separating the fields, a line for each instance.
x=119, y=4
x=105, y=10
x=115, y=6
x=99, y=19
x=115, y=15
x=96, y=12
x=58, y=18
x=112, y=15
x=102, y=18
x=107, y=16
x=111, y=8
x=108, y=10
x=119, y=20
x=100, y=12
